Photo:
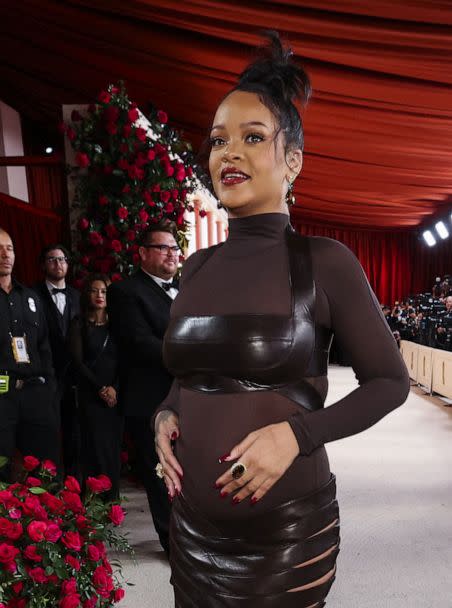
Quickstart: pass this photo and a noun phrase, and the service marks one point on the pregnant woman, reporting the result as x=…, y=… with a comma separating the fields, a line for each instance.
x=241, y=435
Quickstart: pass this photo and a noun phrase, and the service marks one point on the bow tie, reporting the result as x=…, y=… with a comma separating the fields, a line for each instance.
x=167, y=286
x=56, y=290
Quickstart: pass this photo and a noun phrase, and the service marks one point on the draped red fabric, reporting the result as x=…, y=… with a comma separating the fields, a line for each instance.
x=31, y=229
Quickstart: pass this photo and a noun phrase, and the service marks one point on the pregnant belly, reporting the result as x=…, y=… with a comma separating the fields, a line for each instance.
x=212, y=424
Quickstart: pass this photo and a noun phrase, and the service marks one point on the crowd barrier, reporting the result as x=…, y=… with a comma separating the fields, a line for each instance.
x=431, y=368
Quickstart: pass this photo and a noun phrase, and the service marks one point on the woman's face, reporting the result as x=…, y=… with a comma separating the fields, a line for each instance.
x=98, y=295
x=248, y=164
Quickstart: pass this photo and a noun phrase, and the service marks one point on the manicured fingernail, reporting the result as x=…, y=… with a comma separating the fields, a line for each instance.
x=174, y=436
x=235, y=500
x=254, y=500
x=223, y=458
x=178, y=491
x=218, y=485
x=223, y=494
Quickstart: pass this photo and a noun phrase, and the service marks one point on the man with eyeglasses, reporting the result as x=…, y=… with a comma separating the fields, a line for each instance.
x=139, y=310
x=61, y=304
x=27, y=382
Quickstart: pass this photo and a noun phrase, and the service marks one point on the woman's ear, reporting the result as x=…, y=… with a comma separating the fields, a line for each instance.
x=294, y=160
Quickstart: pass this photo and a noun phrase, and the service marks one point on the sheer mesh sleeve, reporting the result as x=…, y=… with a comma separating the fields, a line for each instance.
x=363, y=333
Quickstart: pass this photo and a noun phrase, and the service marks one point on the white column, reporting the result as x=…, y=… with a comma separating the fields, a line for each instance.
x=13, y=180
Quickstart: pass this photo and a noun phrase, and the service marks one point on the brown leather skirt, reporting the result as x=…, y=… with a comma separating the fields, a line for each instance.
x=251, y=562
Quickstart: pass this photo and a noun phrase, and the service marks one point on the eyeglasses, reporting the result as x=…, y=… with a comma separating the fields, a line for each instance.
x=62, y=259
x=165, y=249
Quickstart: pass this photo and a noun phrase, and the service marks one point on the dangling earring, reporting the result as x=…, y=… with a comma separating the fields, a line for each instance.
x=290, y=197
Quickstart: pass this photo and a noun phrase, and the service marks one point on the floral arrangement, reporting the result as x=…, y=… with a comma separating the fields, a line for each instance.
x=53, y=541
x=131, y=171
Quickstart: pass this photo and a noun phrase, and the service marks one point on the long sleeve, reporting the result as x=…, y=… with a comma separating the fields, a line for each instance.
x=75, y=343
x=362, y=332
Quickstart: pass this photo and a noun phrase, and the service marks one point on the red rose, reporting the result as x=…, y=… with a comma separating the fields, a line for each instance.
x=90, y=603
x=37, y=575
x=169, y=170
x=136, y=259
x=53, y=533
x=116, y=245
x=133, y=115
x=111, y=128
x=111, y=230
x=95, y=238
x=93, y=553
x=81, y=522
x=116, y=277
x=103, y=200
x=71, y=484
x=72, y=501
x=99, y=484
x=70, y=601
x=180, y=175
x=140, y=134
x=116, y=515
x=111, y=114
x=130, y=235
x=17, y=587
x=118, y=595
x=72, y=540
x=71, y=134
x=127, y=130
x=14, y=531
x=102, y=581
x=104, y=97
x=72, y=562
x=82, y=159
x=202, y=213
x=169, y=208
x=53, y=504
x=151, y=154
x=36, y=530
x=69, y=586
x=83, y=223
x=31, y=553
x=33, y=482
x=122, y=213
x=85, y=261
x=50, y=467
x=156, y=188
x=30, y=463
x=75, y=116
x=162, y=117
x=143, y=215
x=135, y=173
x=165, y=196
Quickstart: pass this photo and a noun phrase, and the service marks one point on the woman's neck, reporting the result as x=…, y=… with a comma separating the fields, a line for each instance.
x=98, y=316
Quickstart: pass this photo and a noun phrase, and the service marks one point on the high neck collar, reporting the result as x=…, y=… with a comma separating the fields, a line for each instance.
x=264, y=225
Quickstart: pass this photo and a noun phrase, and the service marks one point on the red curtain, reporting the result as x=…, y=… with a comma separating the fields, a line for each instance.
x=31, y=229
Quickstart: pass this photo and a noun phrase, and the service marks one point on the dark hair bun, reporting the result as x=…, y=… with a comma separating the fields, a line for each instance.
x=275, y=70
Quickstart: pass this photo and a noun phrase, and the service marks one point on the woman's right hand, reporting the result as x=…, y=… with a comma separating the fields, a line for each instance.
x=166, y=431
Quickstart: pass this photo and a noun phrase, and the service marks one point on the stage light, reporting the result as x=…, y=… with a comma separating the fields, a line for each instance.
x=442, y=230
x=49, y=150
x=429, y=238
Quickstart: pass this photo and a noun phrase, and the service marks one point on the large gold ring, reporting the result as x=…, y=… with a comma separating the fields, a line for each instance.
x=238, y=470
x=159, y=470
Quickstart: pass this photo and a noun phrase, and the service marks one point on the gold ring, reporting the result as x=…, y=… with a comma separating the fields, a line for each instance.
x=238, y=470
x=159, y=470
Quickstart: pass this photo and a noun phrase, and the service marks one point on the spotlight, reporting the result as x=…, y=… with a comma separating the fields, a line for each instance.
x=49, y=150
x=429, y=238
x=442, y=230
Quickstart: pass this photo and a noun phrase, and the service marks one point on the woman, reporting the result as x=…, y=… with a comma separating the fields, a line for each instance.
x=255, y=521
x=96, y=363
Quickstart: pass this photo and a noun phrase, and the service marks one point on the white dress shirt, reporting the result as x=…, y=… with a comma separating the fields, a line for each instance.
x=171, y=292
x=58, y=298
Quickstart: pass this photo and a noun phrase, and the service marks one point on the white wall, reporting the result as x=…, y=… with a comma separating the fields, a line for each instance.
x=13, y=180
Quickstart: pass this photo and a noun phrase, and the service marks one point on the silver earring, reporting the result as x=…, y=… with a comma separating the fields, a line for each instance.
x=290, y=197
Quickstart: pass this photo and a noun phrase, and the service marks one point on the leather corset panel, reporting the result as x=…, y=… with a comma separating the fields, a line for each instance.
x=260, y=351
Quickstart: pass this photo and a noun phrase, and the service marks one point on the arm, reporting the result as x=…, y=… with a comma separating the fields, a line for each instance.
x=131, y=328
x=45, y=353
x=362, y=331
x=75, y=344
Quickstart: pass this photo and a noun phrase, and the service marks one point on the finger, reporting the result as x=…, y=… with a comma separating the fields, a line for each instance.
x=262, y=490
x=164, y=445
x=249, y=489
x=239, y=449
x=169, y=471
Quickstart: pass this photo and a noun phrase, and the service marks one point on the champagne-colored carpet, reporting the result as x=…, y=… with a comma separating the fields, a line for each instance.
x=395, y=494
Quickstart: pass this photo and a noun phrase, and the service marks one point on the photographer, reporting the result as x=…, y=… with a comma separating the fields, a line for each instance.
x=444, y=327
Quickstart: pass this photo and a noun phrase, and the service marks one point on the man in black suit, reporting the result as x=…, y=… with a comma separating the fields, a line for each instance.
x=139, y=310
x=61, y=304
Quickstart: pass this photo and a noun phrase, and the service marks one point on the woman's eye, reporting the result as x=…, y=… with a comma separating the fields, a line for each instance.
x=216, y=141
x=254, y=138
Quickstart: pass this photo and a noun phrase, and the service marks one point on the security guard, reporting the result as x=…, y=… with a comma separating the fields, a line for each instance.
x=27, y=385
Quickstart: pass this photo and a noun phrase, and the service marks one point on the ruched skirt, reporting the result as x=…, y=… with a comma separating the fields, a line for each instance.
x=256, y=562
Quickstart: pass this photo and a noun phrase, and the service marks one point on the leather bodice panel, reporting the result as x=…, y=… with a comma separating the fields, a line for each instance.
x=255, y=349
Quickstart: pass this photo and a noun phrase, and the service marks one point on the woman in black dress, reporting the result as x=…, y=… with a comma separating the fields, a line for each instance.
x=255, y=521
x=96, y=363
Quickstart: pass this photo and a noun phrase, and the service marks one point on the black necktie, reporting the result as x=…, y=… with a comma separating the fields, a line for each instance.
x=56, y=290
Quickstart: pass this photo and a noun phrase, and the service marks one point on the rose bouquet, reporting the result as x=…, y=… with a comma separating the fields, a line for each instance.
x=53, y=541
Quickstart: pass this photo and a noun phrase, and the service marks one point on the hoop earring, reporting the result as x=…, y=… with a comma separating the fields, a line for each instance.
x=290, y=197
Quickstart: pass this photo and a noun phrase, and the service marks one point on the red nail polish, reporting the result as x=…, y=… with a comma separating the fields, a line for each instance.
x=254, y=500
x=177, y=492
x=235, y=500
x=174, y=436
x=223, y=458
x=218, y=485
x=223, y=494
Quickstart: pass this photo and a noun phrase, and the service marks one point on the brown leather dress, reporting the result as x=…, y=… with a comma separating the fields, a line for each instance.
x=238, y=370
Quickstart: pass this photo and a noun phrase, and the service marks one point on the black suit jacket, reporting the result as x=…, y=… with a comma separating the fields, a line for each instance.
x=58, y=341
x=139, y=314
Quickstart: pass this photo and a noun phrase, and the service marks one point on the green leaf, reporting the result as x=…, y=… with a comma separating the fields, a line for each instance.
x=37, y=490
x=3, y=461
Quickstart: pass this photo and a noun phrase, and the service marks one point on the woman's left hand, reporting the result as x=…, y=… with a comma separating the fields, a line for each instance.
x=267, y=454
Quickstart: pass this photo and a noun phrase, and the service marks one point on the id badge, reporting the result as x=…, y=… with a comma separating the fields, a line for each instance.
x=4, y=384
x=20, y=352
